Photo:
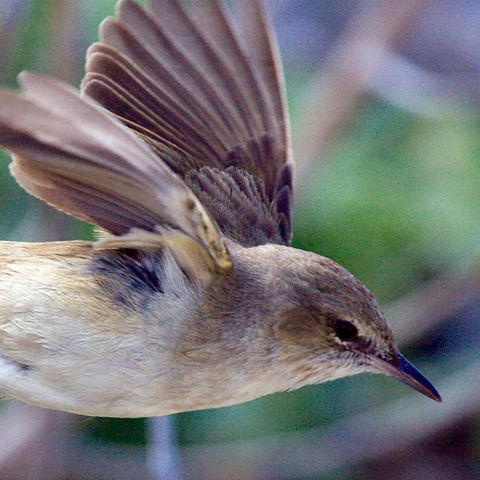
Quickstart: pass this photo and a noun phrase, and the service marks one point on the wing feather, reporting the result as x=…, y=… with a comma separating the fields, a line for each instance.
x=79, y=158
x=191, y=78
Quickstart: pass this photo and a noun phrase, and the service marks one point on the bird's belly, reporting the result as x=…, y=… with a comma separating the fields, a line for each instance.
x=92, y=376
x=64, y=344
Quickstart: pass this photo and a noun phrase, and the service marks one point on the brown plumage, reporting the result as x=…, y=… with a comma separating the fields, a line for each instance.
x=178, y=148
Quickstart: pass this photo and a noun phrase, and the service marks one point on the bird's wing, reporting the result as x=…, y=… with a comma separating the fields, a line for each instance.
x=72, y=154
x=187, y=78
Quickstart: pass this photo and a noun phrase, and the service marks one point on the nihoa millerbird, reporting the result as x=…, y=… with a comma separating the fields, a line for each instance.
x=177, y=147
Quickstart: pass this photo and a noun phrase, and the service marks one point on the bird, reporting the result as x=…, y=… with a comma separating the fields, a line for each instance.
x=177, y=148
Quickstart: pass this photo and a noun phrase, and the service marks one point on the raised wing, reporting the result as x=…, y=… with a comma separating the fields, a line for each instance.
x=188, y=80
x=79, y=158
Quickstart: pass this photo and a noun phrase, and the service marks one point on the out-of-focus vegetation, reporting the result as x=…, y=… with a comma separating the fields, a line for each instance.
x=393, y=194
x=396, y=200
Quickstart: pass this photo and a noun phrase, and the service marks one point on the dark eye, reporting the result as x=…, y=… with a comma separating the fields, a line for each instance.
x=344, y=330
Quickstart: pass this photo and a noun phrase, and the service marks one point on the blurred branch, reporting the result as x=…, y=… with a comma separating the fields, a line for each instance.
x=411, y=87
x=428, y=306
x=335, y=90
x=163, y=449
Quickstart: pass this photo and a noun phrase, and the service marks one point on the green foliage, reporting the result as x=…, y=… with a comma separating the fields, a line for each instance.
x=396, y=200
x=125, y=430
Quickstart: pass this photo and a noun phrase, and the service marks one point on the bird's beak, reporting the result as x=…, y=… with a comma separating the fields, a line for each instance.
x=400, y=368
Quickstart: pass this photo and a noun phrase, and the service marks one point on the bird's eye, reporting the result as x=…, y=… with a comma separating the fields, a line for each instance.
x=345, y=331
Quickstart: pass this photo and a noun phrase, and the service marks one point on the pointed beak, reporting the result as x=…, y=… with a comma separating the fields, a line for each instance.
x=400, y=368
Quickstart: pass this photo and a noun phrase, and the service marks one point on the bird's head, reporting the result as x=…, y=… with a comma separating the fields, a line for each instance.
x=333, y=327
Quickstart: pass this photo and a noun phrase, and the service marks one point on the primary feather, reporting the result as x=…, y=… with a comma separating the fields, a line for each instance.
x=190, y=80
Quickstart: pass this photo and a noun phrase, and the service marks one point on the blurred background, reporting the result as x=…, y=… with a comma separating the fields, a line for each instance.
x=385, y=108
